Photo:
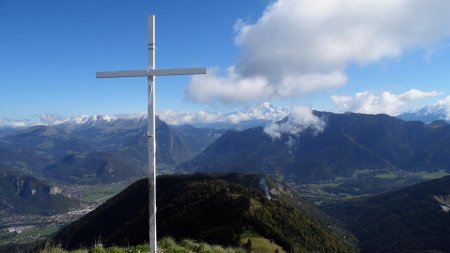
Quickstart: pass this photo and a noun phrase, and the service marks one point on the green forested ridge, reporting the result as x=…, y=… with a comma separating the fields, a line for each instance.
x=406, y=220
x=214, y=209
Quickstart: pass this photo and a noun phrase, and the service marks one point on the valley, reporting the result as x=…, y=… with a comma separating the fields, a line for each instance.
x=362, y=183
x=85, y=163
x=25, y=229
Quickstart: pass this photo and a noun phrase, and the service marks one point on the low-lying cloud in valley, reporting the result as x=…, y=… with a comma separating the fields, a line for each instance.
x=298, y=46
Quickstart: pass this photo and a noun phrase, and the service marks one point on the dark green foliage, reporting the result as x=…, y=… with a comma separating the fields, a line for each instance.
x=27, y=195
x=248, y=245
x=349, y=142
x=407, y=220
x=213, y=209
x=9, y=248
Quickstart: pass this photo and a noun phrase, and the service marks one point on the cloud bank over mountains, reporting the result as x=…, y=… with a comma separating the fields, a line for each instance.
x=299, y=118
x=386, y=102
x=298, y=46
x=262, y=112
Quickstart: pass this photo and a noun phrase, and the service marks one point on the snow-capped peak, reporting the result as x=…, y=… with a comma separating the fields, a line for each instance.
x=265, y=111
x=54, y=120
x=78, y=120
x=428, y=114
x=262, y=112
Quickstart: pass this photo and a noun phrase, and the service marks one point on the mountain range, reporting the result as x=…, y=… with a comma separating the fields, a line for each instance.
x=347, y=143
x=257, y=115
x=99, y=151
x=110, y=150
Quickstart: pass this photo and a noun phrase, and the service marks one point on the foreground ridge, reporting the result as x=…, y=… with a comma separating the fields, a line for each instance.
x=217, y=209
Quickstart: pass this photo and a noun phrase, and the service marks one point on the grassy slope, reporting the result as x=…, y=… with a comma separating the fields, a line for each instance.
x=259, y=244
x=166, y=245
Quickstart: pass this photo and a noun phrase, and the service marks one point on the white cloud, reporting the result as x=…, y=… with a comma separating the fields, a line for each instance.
x=414, y=94
x=15, y=123
x=303, y=84
x=229, y=89
x=386, y=102
x=52, y=119
x=445, y=105
x=444, y=102
x=302, y=46
x=299, y=120
x=180, y=118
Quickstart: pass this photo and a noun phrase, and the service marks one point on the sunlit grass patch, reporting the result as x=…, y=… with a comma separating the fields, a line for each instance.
x=434, y=175
x=259, y=244
x=388, y=175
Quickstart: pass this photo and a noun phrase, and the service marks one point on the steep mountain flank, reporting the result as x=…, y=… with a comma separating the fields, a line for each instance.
x=348, y=142
x=413, y=219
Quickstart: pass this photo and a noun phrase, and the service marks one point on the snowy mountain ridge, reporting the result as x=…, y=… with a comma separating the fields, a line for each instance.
x=262, y=112
x=427, y=114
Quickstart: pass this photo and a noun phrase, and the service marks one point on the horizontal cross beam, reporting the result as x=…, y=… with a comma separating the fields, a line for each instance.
x=151, y=72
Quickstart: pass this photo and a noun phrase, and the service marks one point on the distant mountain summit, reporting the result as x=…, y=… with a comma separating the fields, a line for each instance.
x=258, y=115
x=427, y=114
x=264, y=111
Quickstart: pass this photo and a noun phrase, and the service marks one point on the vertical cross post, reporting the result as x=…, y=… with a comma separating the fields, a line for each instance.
x=151, y=74
x=151, y=137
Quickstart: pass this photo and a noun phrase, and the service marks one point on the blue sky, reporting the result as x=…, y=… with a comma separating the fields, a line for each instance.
x=51, y=49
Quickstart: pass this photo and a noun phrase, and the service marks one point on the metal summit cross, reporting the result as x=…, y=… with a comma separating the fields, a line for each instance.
x=150, y=73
